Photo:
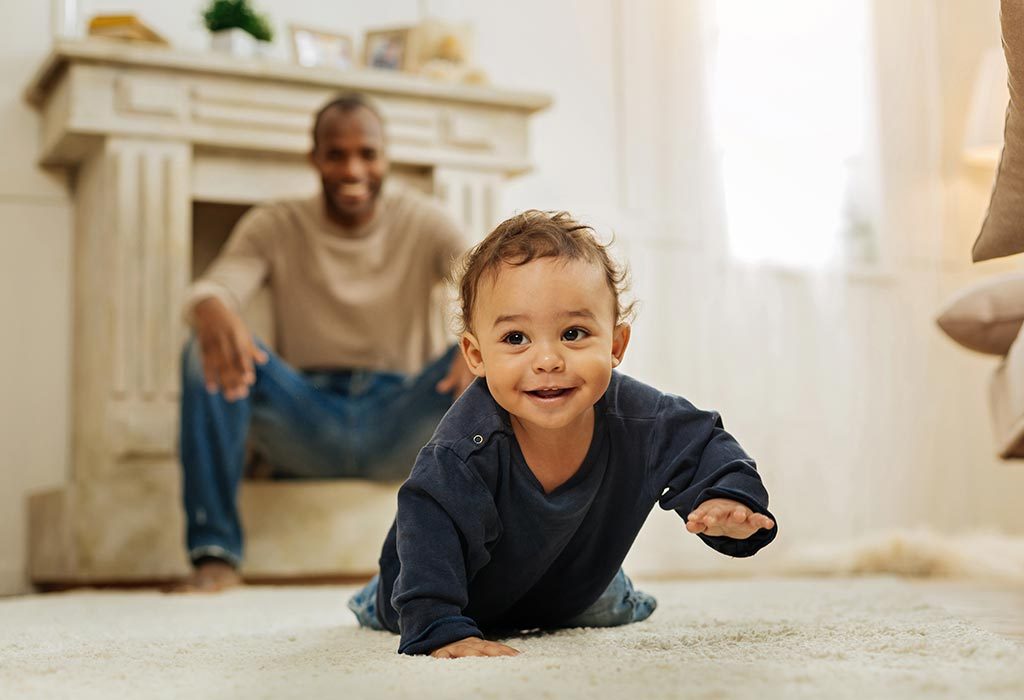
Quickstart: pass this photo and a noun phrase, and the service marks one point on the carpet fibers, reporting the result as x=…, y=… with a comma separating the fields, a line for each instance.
x=769, y=638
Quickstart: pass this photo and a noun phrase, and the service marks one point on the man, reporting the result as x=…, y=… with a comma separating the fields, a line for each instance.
x=359, y=381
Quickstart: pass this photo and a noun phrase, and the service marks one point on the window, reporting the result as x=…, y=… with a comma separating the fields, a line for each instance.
x=793, y=107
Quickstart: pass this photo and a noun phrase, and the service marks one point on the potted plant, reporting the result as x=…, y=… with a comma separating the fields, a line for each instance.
x=237, y=28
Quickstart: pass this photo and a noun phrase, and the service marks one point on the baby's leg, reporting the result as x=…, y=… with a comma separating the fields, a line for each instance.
x=620, y=604
x=364, y=605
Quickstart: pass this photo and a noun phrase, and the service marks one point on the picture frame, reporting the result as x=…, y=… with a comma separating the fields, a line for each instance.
x=317, y=47
x=390, y=49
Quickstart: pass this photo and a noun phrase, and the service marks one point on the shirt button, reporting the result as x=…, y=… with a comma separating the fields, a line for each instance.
x=478, y=439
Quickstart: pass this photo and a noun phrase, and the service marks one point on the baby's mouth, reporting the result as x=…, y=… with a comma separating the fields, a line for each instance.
x=549, y=393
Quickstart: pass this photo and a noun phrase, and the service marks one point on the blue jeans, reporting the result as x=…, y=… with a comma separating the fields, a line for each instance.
x=620, y=604
x=337, y=424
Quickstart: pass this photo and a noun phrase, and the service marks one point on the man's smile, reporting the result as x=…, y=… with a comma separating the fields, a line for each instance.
x=354, y=189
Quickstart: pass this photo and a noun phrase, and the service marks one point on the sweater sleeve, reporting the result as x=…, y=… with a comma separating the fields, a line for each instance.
x=693, y=459
x=448, y=238
x=240, y=268
x=445, y=525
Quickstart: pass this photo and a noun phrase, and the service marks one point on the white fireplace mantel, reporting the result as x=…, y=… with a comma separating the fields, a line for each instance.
x=147, y=133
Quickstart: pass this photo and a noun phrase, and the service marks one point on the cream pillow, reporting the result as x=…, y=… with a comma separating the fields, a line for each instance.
x=986, y=316
x=1002, y=232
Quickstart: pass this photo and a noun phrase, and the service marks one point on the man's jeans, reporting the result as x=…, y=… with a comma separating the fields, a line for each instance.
x=339, y=424
x=620, y=604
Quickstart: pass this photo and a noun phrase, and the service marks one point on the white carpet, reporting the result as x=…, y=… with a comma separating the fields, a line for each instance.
x=773, y=638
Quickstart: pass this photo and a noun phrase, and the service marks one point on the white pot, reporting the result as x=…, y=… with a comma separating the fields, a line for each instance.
x=236, y=42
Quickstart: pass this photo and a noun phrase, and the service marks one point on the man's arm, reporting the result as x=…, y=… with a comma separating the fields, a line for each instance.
x=213, y=304
x=228, y=349
x=458, y=379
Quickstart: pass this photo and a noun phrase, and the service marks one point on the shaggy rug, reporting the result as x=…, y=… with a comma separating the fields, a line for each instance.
x=770, y=638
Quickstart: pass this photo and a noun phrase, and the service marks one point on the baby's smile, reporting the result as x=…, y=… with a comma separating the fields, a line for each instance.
x=550, y=393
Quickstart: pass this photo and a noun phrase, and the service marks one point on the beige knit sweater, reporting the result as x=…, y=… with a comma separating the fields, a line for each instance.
x=343, y=298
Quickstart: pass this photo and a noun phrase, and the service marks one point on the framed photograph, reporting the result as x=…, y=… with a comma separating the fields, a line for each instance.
x=315, y=47
x=390, y=49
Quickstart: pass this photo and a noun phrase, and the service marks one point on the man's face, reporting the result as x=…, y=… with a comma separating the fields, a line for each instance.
x=545, y=339
x=350, y=158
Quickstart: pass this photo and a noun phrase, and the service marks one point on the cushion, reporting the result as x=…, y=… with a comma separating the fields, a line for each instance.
x=1006, y=399
x=986, y=316
x=1002, y=232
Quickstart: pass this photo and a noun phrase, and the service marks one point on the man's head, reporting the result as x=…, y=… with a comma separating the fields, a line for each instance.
x=543, y=320
x=349, y=153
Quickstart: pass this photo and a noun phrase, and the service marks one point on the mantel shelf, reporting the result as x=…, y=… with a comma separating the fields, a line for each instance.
x=118, y=53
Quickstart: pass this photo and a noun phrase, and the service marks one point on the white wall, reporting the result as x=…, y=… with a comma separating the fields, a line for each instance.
x=35, y=296
x=865, y=420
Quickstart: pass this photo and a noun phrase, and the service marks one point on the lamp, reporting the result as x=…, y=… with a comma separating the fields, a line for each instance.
x=983, y=136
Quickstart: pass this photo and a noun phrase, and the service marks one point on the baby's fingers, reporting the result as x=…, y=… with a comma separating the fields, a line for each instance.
x=740, y=514
x=762, y=521
x=695, y=526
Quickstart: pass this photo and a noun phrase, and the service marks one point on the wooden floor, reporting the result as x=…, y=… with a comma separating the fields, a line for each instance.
x=996, y=607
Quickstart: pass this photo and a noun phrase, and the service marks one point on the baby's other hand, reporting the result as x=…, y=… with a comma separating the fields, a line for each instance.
x=473, y=646
x=719, y=517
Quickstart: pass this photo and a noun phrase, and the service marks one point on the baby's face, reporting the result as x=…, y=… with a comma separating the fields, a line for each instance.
x=545, y=339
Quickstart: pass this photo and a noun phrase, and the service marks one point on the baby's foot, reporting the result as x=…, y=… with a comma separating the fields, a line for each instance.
x=210, y=575
x=643, y=605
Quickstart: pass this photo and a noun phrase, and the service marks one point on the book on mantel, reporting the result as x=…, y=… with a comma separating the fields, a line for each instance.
x=126, y=27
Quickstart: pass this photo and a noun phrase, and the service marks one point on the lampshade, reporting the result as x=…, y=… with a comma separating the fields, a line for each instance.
x=983, y=137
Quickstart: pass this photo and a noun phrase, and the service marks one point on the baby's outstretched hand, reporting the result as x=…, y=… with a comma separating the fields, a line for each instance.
x=724, y=517
x=473, y=646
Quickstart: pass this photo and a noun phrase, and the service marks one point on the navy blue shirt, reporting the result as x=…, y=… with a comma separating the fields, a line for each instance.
x=478, y=544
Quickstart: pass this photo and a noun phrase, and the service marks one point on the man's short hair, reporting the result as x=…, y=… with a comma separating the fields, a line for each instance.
x=346, y=104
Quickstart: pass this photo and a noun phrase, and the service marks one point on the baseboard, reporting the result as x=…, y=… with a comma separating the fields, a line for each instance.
x=130, y=530
x=14, y=582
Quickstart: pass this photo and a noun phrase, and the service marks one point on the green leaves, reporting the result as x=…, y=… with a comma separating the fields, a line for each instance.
x=237, y=14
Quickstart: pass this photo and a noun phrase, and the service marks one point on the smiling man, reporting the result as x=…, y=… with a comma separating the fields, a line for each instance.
x=358, y=378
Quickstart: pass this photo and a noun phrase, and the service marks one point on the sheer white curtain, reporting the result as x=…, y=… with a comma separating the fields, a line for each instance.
x=788, y=290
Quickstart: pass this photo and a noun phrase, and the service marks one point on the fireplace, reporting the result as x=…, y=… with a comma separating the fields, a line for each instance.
x=167, y=149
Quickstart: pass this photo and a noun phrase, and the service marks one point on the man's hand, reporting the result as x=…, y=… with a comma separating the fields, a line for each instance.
x=473, y=646
x=228, y=349
x=459, y=377
x=724, y=517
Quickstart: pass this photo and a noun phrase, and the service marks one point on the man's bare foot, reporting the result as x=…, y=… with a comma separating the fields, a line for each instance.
x=210, y=575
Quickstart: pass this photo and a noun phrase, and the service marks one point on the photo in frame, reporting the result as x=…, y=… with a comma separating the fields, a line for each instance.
x=390, y=49
x=316, y=47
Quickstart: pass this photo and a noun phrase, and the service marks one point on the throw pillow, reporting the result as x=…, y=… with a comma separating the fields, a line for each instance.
x=986, y=316
x=1002, y=232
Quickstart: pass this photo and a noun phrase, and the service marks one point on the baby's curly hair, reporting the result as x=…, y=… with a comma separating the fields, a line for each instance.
x=537, y=234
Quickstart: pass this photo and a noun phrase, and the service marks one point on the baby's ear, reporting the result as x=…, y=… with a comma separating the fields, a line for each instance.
x=620, y=339
x=471, y=352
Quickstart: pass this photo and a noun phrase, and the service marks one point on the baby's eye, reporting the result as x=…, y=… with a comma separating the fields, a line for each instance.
x=514, y=338
x=574, y=334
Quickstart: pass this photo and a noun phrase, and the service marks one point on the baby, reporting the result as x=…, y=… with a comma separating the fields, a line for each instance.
x=520, y=510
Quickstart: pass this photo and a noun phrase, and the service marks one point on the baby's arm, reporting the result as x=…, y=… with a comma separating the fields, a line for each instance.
x=701, y=472
x=724, y=517
x=446, y=519
x=473, y=646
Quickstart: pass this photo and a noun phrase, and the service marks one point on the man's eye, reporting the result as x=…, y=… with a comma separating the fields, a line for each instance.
x=574, y=334
x=514, y=338
x=369, y=155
